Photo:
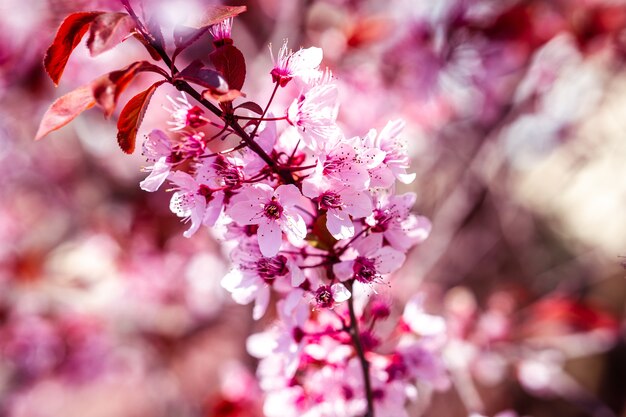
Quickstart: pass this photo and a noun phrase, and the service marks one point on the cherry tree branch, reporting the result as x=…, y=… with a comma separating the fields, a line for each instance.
x=358, y=346
x=230, y=121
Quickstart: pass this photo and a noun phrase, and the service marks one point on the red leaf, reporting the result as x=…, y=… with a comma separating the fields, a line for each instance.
x=184, y=37
x=214, y=15
x=198, y=73
x=107, y=88
x=108, y=30
x=228, y=96
x=229, y=61
x=252, y=106
x=153, y=52
x=68, y=36
x=65, y=109
x=131, y=118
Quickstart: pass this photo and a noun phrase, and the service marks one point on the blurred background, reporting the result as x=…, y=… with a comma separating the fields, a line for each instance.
x=516, y=122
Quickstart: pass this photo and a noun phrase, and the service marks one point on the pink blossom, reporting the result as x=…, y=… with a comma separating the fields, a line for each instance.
x=254, y=274
x=184, y=114
x=369, y=261
x=156, y=148
x=392, y=217
x=195, y=201
x=327, y=295
x=340, y=163
x=396, y=159
x=221, y=32
x=420, y=322
x=314, y=113
x=273, y=210
x=341, y=204
x=299, y=64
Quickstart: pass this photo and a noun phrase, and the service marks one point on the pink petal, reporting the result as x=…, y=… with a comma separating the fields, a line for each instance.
x=288, y=195
x=359, y=204
x=261, y=302
x=246, y=212
x=293, y=224
x=297, y=276
x=339, y=224
x=159, y=172
x=388, y=260
x=270, y=238
x=214, y=209
x=343, y=270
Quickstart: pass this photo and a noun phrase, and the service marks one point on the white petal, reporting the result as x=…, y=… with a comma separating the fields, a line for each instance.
x=261, y=302
x=158, y=175
x=339, y=224
x=340, y=292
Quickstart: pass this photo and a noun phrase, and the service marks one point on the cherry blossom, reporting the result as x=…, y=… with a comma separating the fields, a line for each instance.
x=288, y=64
x=273, y=211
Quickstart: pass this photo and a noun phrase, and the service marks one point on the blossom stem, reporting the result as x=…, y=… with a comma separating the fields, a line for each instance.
x=296, y=169
x=261, y=119
x=267, y=106
x=358, y=346
x=355, y=237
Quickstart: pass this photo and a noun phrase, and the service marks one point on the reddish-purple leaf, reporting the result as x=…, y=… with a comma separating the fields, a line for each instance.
x=198, y=73
x=184, y=37
x=228, y=96
x=252, y=106
x=67, y=38
x=108, y=30
x=214, y=15
x=229, y=61
x=153, y=52
x=131, y=118
x=107, y=88
x=65, y=109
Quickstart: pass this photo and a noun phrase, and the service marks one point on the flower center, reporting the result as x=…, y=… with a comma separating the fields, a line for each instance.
x=330, y=200
x=383, y=219
x=364, y=269
x=230, y=174
x=273, y=210
x=194, y=117
x=206, y=192
x=324, y=297
x=270, y=268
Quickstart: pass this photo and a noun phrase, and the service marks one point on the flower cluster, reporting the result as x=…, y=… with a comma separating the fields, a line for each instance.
x=318, y=222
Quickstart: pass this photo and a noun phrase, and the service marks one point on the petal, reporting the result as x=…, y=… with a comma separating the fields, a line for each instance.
x=196, y=215
x=339, y=224
x=340, y=292
x=261, y=302
x=308, y=58
x=373, y=157
x=297, y=276
x=270, y=238
x=232, y=279
x=288, y=195
x=406, y=178
x=388, y=259
x=293, y=224
x=159, y=172
x=359, y=204
x=368, y=245
x=344, y=270
x=246, y=212
x=214, y=209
